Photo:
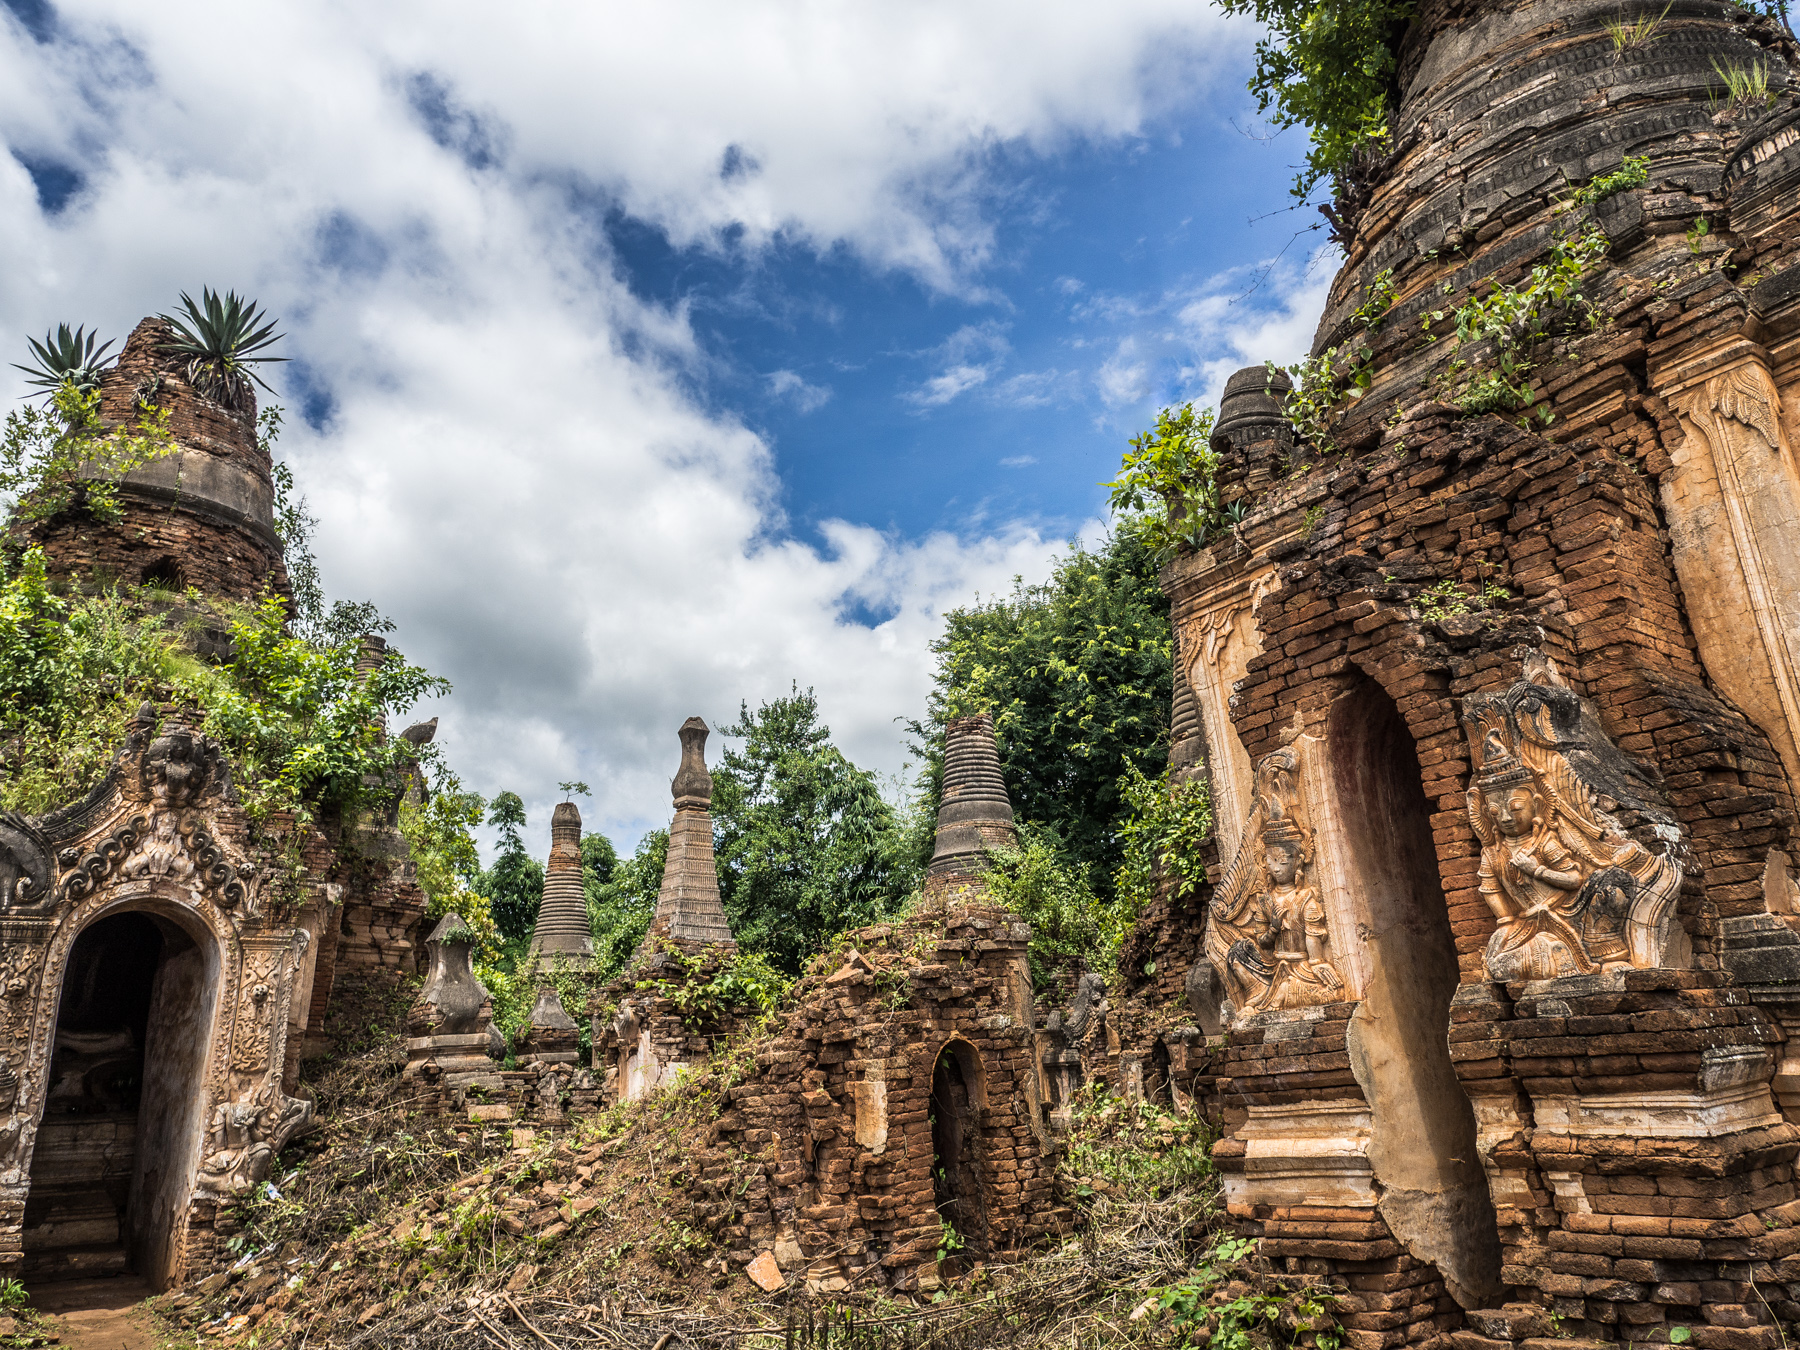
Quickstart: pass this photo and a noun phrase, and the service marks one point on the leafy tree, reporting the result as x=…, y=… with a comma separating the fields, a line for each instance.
x=806, y=844
x=623, y=901
x=1068, y=923
x=599, y=859
x=514, y=885
x=1330, y=66
x=1077, y=674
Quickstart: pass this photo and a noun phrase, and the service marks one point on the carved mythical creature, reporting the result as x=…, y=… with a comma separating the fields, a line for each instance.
x=1269, y=938
x=27, y=866
x=245, y=1136
x=1572, y=891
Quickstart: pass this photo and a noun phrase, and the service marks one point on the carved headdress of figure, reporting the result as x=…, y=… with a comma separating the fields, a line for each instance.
x=1572, y=890
x=1269, y=938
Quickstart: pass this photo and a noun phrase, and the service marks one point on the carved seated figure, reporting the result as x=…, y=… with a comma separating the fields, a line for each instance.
x=1285, y=961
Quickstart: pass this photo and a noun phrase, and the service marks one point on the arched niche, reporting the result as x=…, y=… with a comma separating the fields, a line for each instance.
x=130, y=1025
x=1434, y=1195
x=958, y=1165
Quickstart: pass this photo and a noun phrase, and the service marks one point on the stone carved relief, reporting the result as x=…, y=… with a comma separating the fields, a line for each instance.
x=27, y=863
x=1733, y=504
x=1269, y=937
x=1215, y=650
x=1572, y=891
x=244, y=1136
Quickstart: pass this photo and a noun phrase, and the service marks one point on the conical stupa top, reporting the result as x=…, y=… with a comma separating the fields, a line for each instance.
x=562, y=931
x=688, y=905
x=974, y=813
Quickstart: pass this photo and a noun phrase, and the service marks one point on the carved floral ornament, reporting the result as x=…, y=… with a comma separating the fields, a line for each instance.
x=1572, y=891
x=1269, y=938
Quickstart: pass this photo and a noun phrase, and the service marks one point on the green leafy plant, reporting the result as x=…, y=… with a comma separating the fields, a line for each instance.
x=949, y=1240
x=65, y=357
x=1680, y=1335
x=1173, y=467
x=61, y=457
x=570, y=789
x=1163, y=830
x=1513, y=319
x=1633, y=171
x=1322, y=385
x=1136, y=1150
x=1697, y=232
x=1630, y=35
x=1327, y=65
x=14, y=1297
x=1035, y=881
x=1446, y=599
x=223, y=343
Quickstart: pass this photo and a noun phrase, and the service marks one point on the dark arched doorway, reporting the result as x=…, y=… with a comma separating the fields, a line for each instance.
x=1434, y=1193
x=959, y=1180
x=113, y=1166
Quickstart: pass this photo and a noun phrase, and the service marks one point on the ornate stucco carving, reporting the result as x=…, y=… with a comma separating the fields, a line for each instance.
x=1269, y=935
x=1573, y=892
x=1215, y=647
x=244, y=1135
x=1732, y=499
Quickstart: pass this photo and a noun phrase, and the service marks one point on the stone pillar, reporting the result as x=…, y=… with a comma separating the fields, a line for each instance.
x=563, y=933
x=687, y=906
x=974, y=812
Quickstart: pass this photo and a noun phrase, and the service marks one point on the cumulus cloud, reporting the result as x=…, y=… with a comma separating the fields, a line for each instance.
x=499, y=436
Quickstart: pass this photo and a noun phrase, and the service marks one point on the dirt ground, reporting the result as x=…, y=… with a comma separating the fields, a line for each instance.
x=98, y=1315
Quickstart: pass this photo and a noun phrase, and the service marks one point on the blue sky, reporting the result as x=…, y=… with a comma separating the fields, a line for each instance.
x=651, y=359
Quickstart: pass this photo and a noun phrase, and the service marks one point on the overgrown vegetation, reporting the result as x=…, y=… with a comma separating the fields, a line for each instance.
x=60, y=458
x=223, y=339
x=1078, y=675
x=1323, y=385
x=1069, y=925
x=1168, y=484
x=1166, y=824
x=1514, y=319
x=65, y=357
x=1327, y=65
x=1746, y=84
x=1630, y=35
x=1633, y=171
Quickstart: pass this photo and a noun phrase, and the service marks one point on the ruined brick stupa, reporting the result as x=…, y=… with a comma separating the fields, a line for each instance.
x=688, y=907
x=563, y=934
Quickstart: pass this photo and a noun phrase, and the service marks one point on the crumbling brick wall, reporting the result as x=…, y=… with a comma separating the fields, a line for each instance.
x=825, y=1155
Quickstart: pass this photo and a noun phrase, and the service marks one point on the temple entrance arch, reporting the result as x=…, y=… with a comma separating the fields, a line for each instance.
x=1434, y=1194
x=958, y=1171
x=120, y=1137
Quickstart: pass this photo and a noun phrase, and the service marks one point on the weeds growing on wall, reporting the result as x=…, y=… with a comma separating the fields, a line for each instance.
x=1633, y=171
x=1630, y=35
x=1167, y=823
x=1324, y=385
x=59, y=457
x=1514, y=319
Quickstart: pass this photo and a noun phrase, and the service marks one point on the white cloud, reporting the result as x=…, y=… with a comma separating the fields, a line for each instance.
x=1018, y=461
x=1123, y=378
x=969, y=358
x=1274, y=323
x=513, y=467
x=806, y=397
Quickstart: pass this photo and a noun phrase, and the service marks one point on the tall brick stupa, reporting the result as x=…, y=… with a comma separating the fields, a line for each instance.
x=974, y=812
x=688, y=907
x=563, y=933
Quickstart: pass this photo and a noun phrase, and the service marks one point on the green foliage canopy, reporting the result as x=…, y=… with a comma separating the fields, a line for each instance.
x=1327, y=65
x=50, y=454
x=514, y=885
x=806, y=844
x=1078, y=675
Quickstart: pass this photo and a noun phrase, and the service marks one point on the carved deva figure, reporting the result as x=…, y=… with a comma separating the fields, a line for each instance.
x=1269, y=938
x=1573, y=892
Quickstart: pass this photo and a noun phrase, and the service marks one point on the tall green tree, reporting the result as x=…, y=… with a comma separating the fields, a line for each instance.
x=1077, y=674
x=514, y=885
x=622, y=903
x=806, y=844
